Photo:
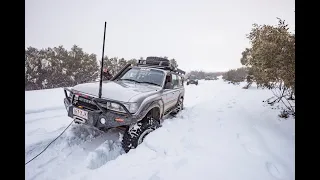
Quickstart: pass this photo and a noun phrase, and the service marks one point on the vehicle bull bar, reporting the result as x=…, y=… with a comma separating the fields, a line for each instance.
x=96, y=101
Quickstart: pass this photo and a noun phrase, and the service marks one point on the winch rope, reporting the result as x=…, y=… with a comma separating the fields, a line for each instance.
x=50, y=143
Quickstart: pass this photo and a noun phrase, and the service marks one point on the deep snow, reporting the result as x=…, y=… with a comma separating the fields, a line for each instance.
x=225, y=132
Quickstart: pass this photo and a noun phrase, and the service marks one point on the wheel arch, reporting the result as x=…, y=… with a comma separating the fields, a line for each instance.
x=155, y=109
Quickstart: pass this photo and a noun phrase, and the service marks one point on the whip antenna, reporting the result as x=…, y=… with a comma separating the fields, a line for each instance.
x=101, y=70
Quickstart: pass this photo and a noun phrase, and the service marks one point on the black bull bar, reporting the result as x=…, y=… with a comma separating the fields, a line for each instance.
x=96, y=101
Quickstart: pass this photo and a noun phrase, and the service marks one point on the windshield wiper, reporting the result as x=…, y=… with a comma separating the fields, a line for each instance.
x=142, y=82
x=150, y=83
x=131, y=80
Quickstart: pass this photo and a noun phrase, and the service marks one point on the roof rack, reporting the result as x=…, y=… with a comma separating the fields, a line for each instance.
x=159, y=63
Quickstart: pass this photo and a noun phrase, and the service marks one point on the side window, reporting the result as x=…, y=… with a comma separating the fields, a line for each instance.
x=168, y=79
x=175, y=81
x=180, y=81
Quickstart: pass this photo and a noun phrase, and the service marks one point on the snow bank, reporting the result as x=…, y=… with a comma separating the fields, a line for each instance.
x=43, y=100
x=45, y=115
x=225, y=132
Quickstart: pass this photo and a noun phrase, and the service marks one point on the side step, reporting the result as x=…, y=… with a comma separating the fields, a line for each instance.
x=170, y=110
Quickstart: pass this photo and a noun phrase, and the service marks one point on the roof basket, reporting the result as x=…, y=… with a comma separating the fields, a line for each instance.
x=159, y=63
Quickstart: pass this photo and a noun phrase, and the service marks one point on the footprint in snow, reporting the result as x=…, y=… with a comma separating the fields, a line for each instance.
x=249, y=145
x=276, y=170
x=220, y=122
x=243, y=138
x=229, y=106
x=155, y=176
x=252, y=150
x=221, y=125
x=181, y=163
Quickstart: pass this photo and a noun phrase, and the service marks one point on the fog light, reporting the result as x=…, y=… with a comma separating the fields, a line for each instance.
x=103, y=120
x=119, y=120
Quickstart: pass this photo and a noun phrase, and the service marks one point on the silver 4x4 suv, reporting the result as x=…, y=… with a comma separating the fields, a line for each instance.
x=138, y=99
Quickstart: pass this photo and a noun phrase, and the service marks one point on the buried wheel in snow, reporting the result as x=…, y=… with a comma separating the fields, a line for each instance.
x=135, y=134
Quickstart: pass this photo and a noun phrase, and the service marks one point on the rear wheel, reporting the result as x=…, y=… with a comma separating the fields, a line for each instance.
x=135, y=134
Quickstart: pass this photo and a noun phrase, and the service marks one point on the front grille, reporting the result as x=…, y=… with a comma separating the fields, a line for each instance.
x=85, y=102
x=87, y=105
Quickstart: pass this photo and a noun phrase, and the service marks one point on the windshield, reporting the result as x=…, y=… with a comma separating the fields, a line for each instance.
x=142, y=75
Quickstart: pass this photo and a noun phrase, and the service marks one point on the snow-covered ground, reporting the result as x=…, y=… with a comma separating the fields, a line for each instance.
x=224, y=133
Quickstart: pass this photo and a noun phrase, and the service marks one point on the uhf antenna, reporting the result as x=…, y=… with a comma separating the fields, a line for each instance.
x=101, y=70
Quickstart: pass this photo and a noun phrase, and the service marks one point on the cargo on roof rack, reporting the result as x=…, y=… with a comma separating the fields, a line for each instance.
x=154, y=58
x=159, y=63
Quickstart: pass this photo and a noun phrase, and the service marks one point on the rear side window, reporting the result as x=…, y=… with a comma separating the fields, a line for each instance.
x=180, y=81
x=177, y=81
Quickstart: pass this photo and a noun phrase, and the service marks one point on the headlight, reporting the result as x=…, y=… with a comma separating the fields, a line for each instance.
x=132, y=107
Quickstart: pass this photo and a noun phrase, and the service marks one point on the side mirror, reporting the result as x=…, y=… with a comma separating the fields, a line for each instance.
x=168, y=85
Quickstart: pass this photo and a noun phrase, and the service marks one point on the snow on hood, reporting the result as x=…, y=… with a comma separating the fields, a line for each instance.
x=121, y=91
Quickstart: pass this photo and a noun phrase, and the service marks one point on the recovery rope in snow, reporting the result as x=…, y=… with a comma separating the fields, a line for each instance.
x=50, y=143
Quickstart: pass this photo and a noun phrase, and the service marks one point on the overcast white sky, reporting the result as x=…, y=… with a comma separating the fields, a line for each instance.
x=204, y=35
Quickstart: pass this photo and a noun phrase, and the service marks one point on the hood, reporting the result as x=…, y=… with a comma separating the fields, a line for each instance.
x=122, y=91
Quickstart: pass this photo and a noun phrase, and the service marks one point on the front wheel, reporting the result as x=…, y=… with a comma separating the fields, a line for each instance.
x=135, y=134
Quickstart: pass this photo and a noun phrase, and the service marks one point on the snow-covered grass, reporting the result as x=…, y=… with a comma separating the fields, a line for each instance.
x=44, y=100
x=225, y=132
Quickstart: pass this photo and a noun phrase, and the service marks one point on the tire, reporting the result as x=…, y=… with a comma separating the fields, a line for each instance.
x=179, y=107
x=135, y=134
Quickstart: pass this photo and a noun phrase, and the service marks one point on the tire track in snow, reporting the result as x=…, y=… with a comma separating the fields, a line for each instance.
x=44, y=118
x=31, y=111
x=76, y=147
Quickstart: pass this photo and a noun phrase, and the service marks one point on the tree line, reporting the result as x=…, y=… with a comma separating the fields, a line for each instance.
x=58, y=67
x=235, y=76
x=203, y=74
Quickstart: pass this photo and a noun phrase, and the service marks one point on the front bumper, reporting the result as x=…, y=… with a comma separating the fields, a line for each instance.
x=95, y=117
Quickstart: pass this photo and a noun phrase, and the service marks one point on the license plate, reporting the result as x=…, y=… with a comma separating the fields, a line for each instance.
x=80, y=113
